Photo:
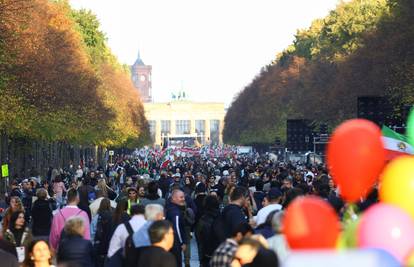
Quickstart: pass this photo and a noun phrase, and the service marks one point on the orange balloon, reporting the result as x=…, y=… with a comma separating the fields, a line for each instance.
x=356, y=157
x=311, y=223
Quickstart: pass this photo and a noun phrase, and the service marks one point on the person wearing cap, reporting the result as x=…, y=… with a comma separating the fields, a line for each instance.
x=270, y=203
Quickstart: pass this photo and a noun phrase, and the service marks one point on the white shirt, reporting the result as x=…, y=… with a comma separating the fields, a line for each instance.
x=264, y=212
x=121, y=234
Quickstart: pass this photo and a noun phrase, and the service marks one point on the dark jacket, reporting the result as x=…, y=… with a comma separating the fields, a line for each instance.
x=41, y=217
x=265, y=230
x=233, y=215
x=164, y=184
x=175, y=214
x=199, y=201
x=8, y=260
x=209, y=234
x=75, y=250
x=258, y=198
x=156, y=257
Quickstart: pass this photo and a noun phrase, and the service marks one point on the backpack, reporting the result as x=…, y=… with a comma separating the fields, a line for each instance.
x=102, y=235
x=211, y=233
x=189, y=216
x=129, y=248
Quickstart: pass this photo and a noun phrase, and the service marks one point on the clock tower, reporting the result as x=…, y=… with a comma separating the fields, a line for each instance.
x=141, y=78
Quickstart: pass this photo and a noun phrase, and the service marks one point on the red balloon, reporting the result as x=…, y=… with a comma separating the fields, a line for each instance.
x=356, y=157
x=311, y=223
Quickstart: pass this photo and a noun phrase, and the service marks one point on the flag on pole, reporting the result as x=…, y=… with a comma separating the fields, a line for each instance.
x=395, y=144
x=164, y=165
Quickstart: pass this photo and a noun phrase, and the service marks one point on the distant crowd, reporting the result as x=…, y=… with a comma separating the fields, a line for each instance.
x=144, y=211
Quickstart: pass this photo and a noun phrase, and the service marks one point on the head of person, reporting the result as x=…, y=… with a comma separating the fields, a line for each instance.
x=45, y=184
x=238, y=195
x=242, y=230
x=331, y=184
x=105, y=205
x=132, y=193
x=161, y=234
x=26, y=184
x=247, y=250
x=211, y=203
x=211, y=180
x=137, y=209
x=290, y=195
x=154, y=212
x=38, y=253
x=74, y=226
x=177, y=177
x=178, y=197
x=259, y=184
x=141, y=191
x=41, y=193
x=86, y=181
x=14, y=184
x=274, y=196
x=129, y=181
x=287, y=184
x=58, y=179
x=17, y=221
x=16, y=204
x=153, y=188
x=189, y=181
x=233, y=178
x=200, y=188
x=101, y=183
x=73, y=197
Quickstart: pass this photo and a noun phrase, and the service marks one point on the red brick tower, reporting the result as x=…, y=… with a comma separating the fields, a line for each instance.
x=141, y=77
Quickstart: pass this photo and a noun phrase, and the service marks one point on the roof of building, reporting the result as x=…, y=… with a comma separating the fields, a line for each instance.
x=139, y=61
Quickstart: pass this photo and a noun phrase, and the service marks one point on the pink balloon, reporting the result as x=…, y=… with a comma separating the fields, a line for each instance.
x=387, y=227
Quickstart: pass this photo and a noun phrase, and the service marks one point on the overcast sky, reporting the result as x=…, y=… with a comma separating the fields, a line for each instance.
x=212, y=49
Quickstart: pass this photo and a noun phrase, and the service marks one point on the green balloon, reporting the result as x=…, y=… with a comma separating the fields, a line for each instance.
x=349, y=235
x=410, y=128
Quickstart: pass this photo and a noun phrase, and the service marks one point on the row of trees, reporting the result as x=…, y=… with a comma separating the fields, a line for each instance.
x=59, y=81
x=363, y=47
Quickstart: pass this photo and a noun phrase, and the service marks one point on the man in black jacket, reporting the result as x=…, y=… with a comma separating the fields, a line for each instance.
x=233, y=214
x=161, y=235
x=175, y=214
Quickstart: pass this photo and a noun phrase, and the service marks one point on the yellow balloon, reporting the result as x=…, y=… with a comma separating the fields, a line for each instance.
x=397, y=184
x=410, y=260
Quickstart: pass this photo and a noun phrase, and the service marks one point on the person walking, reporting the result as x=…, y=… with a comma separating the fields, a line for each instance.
x=41, y=214
x=63, y=215
x=101, y=230
x=161, y=235
x=15, y=205
x=123, y=231
x=74, y=249
x=224, y=254
x=152, y=196
x=18, y=234
x=175, y=214
x=270, y=203
x=233, y=214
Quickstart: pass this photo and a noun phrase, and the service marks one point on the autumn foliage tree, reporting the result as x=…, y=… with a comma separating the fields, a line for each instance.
x=58, y=85
x=363, y=47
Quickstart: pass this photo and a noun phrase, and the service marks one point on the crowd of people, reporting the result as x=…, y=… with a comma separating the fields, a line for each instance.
x=141, y=212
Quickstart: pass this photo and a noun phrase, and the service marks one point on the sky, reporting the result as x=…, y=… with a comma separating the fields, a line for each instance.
x=210, y=49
